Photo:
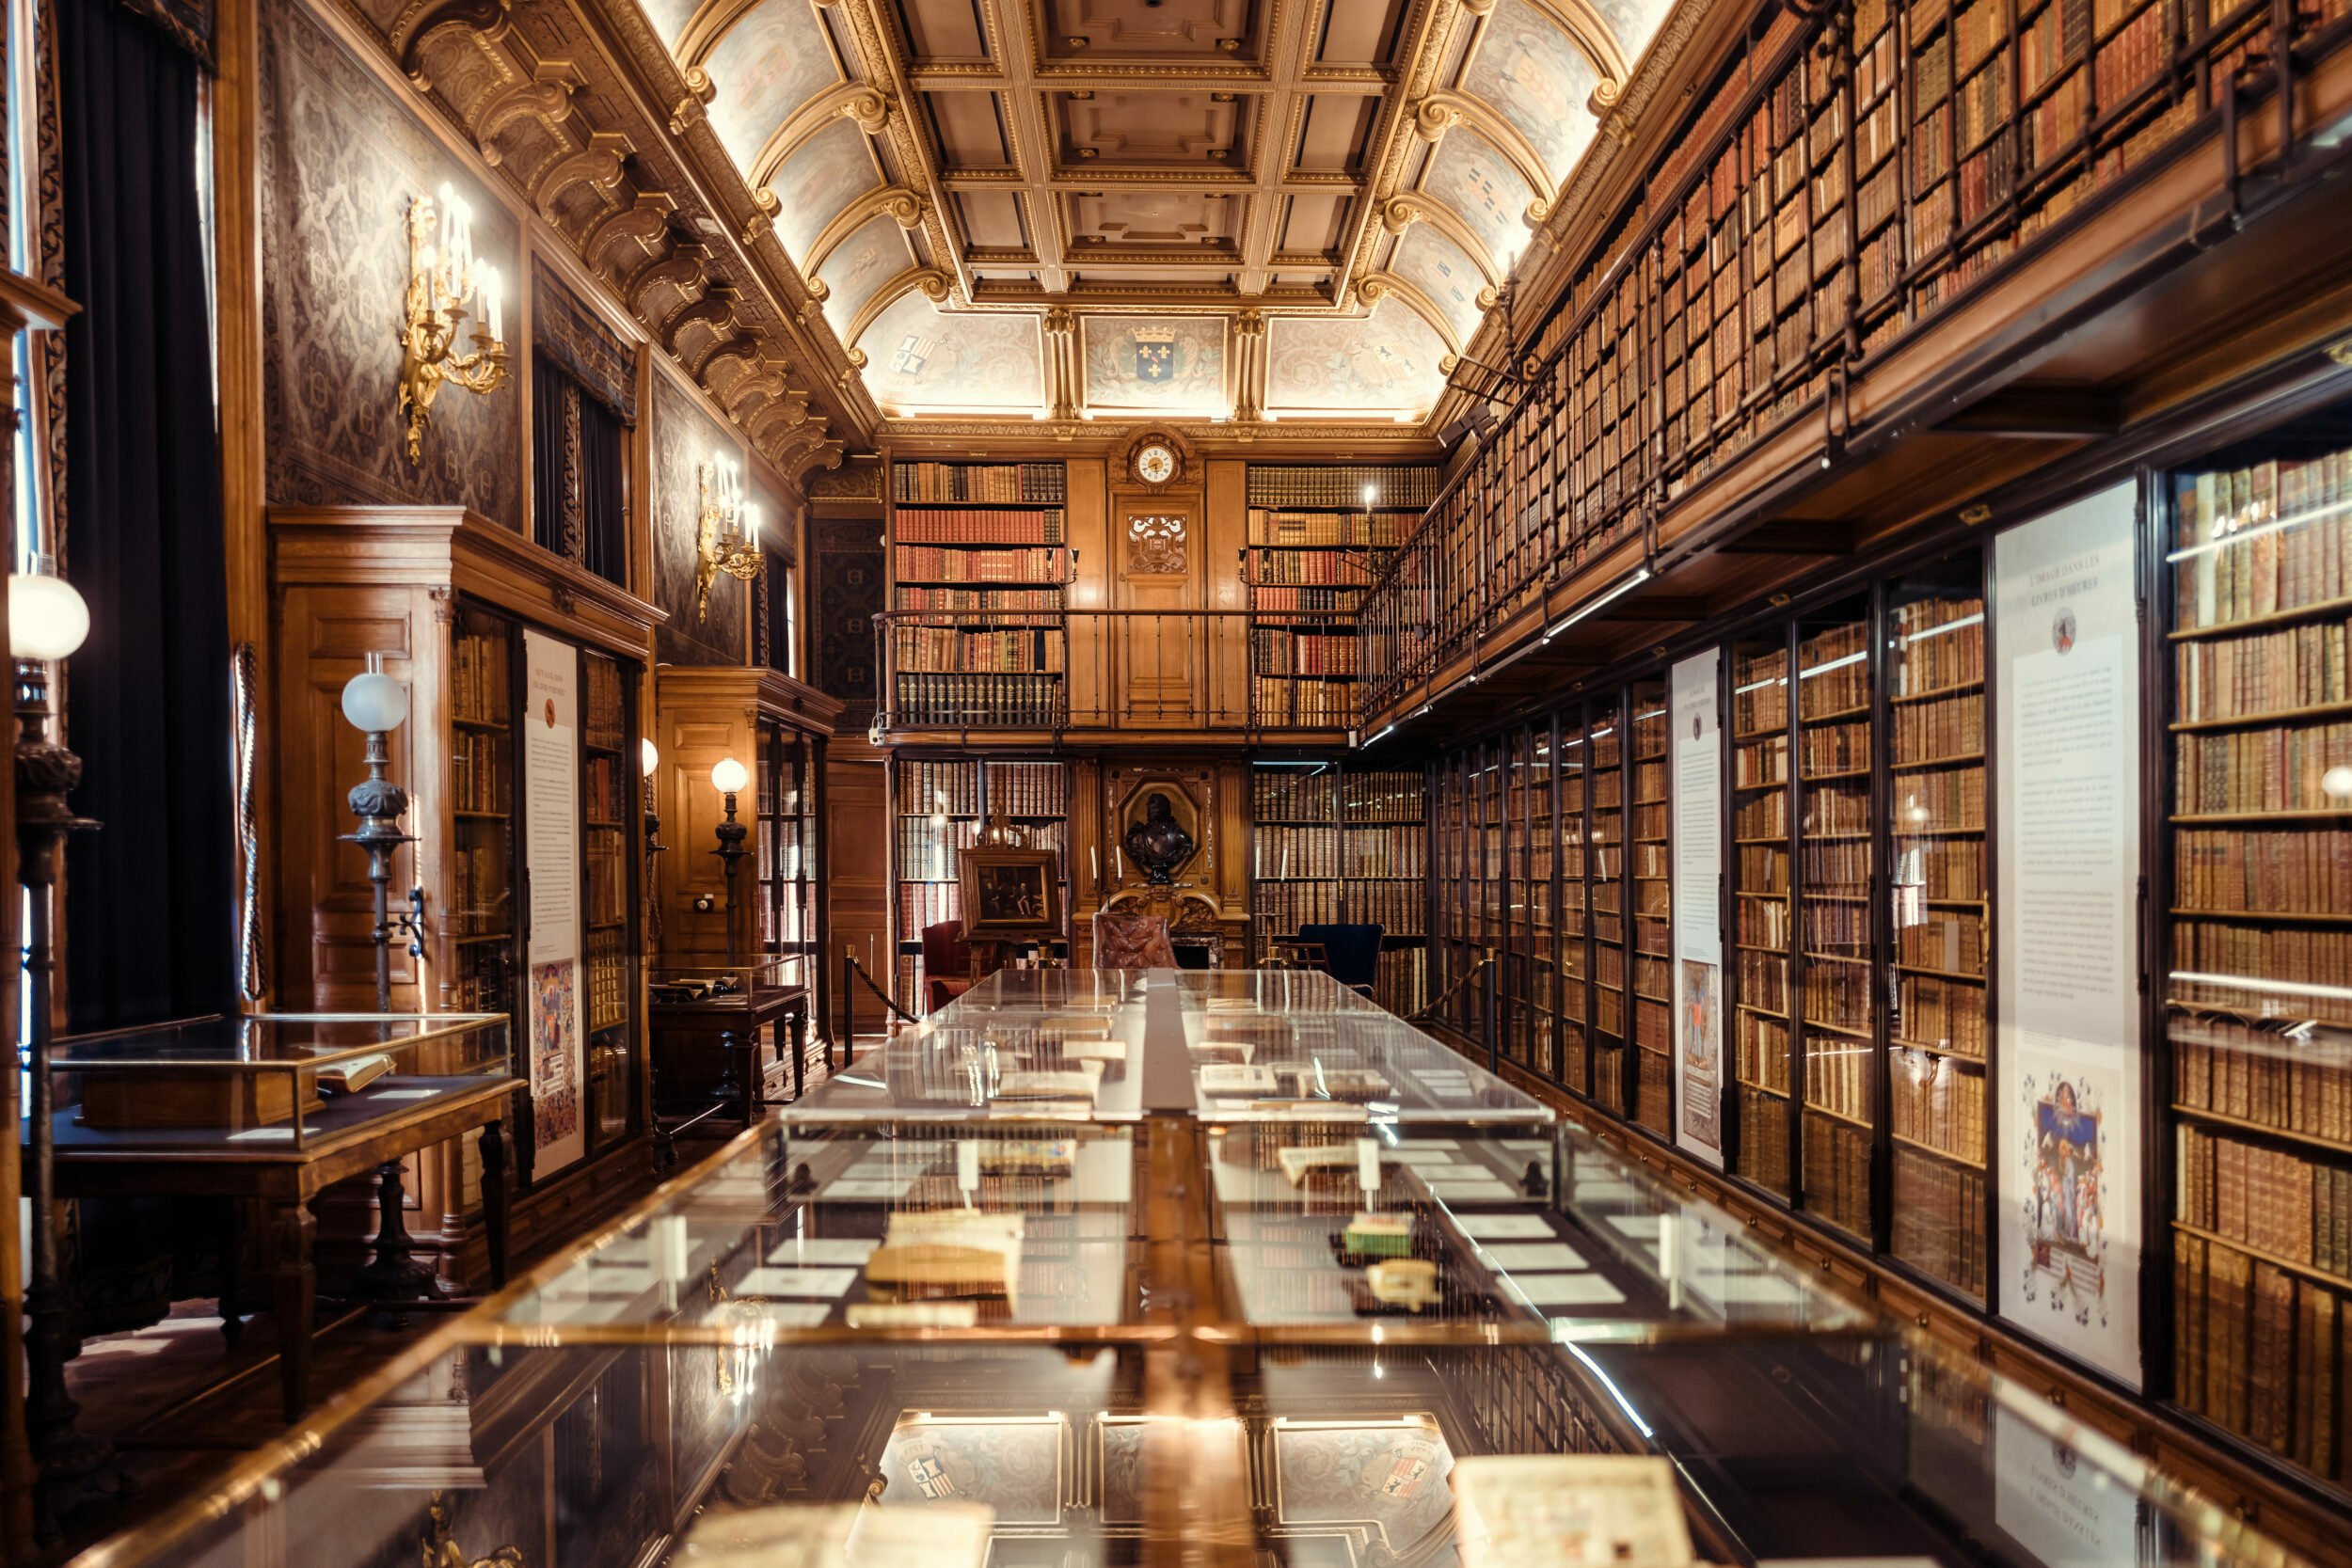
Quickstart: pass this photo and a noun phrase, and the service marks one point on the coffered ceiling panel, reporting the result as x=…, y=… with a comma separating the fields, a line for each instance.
x=1155, y=220
x=1193, y=189
x=1359, y=32
x=1315, y=225
x=992, y=220
x=969, y=129
x=1131, y=130
x=1336, y=132
x=943, y=30
x=1150, y=30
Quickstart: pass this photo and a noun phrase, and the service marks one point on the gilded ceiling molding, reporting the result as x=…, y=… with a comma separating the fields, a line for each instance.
x=1115, y=429
x=597, y=165
x=1061, y=363
x=715, y=313
x=933, y=284
x=1488, y=122
x=892, y=201
x=1603, y=103
x=1441, y=22
x=1380, y=285
x=685, y=269
x=1583, y=24
x=853, y=100
x=420, y=19
x=1249, y=372
x=548, y=101
x=707, y=26
x=880, y=64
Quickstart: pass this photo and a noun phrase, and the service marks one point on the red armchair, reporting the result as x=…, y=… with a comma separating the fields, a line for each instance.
x=946, y=964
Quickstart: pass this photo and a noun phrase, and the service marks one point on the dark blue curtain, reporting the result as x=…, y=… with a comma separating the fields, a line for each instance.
x=150, y=897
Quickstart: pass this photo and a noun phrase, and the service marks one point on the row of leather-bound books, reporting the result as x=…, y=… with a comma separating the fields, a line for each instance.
x=2260, y=1352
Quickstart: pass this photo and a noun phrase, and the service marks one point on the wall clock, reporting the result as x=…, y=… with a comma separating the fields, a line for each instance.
x=1157, y=459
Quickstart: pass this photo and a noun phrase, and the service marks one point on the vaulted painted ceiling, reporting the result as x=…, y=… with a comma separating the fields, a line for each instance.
x=1209, y=208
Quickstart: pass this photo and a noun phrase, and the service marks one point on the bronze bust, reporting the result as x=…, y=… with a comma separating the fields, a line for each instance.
x=1159, y=843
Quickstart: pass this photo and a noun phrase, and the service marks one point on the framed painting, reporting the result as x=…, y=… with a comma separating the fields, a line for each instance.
x=1009, y=893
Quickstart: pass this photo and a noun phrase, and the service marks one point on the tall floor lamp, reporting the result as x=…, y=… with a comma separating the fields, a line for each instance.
x=375, y=704
x=47, y=622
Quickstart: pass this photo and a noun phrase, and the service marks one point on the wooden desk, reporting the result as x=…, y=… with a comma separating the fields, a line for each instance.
x=737, y=1019
x=347, y=1137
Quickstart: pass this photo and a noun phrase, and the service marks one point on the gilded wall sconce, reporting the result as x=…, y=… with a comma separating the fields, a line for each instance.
x=445, y=283
x=727, y=537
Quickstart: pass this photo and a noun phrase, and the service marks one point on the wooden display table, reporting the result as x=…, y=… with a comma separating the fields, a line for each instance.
x=345, y=1137
x=736, y=1018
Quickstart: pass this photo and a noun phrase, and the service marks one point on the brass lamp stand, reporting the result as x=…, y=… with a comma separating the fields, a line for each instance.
x=375, y=704
x=45, y=770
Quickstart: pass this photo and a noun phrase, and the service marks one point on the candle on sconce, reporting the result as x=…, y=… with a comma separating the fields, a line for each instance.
x=1094, y=863
x=1119, y=863
x=493, y=291
x=751, y=524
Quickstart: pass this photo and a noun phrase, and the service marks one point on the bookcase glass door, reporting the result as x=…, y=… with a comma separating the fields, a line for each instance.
x=479, y=916
x=1606, y=864
x=1454, y=887
x=1833, y=916
x=1383, y=848
x=1652, y=865
x=1575, y=947
x=1517, y=751
x=1543, y=851
x=787, y=910
x=609, y=775
x=2258, y=997
x=1294, y=850
x=1936, y=1035
x=1762, y=928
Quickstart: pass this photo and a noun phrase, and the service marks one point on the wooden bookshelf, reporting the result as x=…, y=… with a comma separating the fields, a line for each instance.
x=1606, y=885
x=1317, y=538
x=1334, y=843
x=1762, y=928
x=2260, y=1096
x=941, y=803
x=980, y=552
x=1938, y=1030
x=1651, y=867
x=1831, y=752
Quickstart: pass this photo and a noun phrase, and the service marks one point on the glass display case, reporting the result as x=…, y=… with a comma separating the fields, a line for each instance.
x=266, y=1080
x=1048, y=1281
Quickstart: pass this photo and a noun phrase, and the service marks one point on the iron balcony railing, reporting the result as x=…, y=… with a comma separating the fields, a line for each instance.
x=1231, y=671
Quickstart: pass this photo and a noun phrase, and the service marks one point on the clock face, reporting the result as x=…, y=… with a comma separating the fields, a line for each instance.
x=1156, y=465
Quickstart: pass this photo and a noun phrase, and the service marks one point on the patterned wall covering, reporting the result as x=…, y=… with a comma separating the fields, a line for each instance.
x=844, y=593
x=683, y=435
x=341, y=159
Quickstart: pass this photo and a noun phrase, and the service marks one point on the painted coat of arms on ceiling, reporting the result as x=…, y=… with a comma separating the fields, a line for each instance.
x=1386, y=362
x=1159, y=362
x=918, y=357
x=1531, y=71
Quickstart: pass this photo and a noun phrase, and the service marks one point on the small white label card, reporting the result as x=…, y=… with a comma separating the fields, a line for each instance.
x=1567, y=1290
x=796, y=1282
x=1504, y=1227
x=1516, y=1256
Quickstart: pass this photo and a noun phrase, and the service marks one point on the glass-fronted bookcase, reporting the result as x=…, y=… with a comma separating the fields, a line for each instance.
x=527, y=680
